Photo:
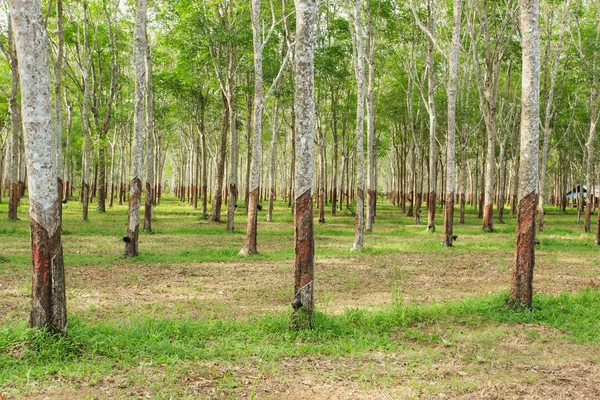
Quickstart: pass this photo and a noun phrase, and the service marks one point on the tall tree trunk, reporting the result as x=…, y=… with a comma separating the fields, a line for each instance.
x=322, y=174
x=249, y=108
x=218, y=195
x=360, y=116
x=254, y=183
x=140, y=46
x=273, y=165
x=501, y=181
x=335, y=169
x=371, y=140
x=234, y=155
x=58, y=70
x=85, y=185
x=15, y=126
x=463, y=175
x=452, y=84
x=304, y=244
x=48, y=308
x=148, y=207
x=522, y=278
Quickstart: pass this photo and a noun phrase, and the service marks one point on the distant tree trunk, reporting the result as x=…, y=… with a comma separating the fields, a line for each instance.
x=452, y=85
x=548, y=108
x=249, y=108
x=15, y=125
x=304, y=244
x=501, y=179
x=522, y=278
x=322, y=175
x=140, y=46
x=113, y=145
x=68, y=185
x=360, y=115
x=463, y=176
x=234, y=158
x=85, y=185
x=48, y=309
x=58, y=70
x=335, y=169
x=432, y=123
x=149, y=207
x=273, y=165
x=371, y=140
x=218, y=196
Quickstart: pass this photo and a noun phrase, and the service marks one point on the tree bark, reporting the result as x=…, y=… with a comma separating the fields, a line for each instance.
x=15, y=126
x=371, y=140
x=148, y=206
x=447, y=237
x=140, y=46
x=218, y=196
x=273, y=165
x=522, y=278
x=85, y=116
x=360, y=115
x=48, y=308
x=304, y=244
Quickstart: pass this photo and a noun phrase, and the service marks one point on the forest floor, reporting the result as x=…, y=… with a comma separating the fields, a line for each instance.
x=404, y=318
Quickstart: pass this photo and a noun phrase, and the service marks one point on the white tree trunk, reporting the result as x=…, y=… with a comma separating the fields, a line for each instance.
x=360, y=118
x=371, y=141
x=140, y=46
x=453, y=61
x=304, y=244
x=48, y=289
x=85, y=185
x=522, y=279
x=149, y=204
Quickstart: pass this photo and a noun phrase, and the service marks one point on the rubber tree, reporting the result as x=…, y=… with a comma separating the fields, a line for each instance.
x=522, y=278
x=48, y=306
x=148, y=206
x=453, y=61
x=139, y=128
x=359, y=64
x=10, y=54
x=304, y=242
x=258, y=42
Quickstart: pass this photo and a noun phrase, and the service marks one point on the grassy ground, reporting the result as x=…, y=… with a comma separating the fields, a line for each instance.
x=405, y=318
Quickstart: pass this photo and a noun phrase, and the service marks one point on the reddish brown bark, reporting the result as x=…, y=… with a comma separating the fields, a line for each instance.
x=488, y=220
x=48, y=304
x=250, y=247
x=462, y=209
x=598, y=229
x=431, y=211
x=304, y=253
x=131, y=240
x=522, y=279
x=148, y=208
x=447, y=238
x=588, y=215
x=321, y=206
x=372, y=200
x=86, y=199
x=13, y=200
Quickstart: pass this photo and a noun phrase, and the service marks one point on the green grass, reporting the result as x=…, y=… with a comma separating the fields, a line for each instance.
x=27, y=354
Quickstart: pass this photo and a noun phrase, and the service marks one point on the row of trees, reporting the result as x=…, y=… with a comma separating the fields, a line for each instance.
x=405, y=57
x=406, y=61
